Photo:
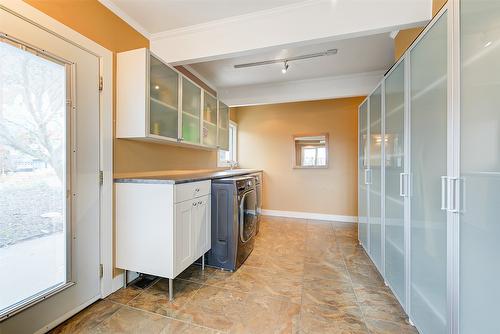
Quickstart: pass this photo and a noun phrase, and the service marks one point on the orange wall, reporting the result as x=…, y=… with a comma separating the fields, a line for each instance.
x=265, y=142
x=405, y=37
x=96, y=22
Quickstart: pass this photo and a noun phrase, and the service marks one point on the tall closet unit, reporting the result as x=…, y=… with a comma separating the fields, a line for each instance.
x=429, y=173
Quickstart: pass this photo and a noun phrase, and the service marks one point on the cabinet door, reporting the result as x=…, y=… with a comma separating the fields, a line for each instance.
x=209, y=120
x=185, y=213
x=479, y=267
x=362, y=167
x=163, y=100
x=395, y=181
x=428, y=153
x=375, y=197
x=201, y=227
x=191, y=112
x=223, y=140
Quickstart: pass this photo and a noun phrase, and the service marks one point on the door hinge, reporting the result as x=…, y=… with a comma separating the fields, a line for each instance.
x=101, y=177
x=101, y=271
x=100, y=84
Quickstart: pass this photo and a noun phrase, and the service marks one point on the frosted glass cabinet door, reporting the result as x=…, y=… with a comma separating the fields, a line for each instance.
x=375, y=190
x=209, y=120
x=223, y=127
x=428, y=122
x=480, y=167
x=394, y=168
x=163, y=100
x=191, y=109
x=362, y=166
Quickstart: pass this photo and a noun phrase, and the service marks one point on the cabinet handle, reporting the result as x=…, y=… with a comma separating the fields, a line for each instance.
x=444, y=184
x=200, y=203
x=194, y=204
x=197, y=189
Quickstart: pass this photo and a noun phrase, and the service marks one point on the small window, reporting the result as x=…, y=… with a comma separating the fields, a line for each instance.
x=228, y=158
x=311, y=151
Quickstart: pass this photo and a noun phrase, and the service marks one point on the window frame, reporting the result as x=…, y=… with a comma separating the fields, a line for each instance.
x=233, y=148
x=298, y=164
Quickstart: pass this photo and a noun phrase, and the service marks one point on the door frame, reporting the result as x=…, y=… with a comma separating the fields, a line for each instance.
x=52, y=26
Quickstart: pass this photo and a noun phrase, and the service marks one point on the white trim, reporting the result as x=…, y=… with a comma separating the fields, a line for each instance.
x=394, y=34
x=66, y=316
x=333, y=87
x=53, y=26
x=125, y=17
x=237, y=18
x=310, y=215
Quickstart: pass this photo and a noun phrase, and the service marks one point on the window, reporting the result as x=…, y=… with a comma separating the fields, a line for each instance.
x=229, y=158
x=34, y=244
x=311, y=151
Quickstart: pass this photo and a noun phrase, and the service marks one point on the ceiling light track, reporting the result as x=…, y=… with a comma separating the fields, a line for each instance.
x=330, y=52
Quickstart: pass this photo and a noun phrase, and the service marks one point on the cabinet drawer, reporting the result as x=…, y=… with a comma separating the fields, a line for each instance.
x=186, y=191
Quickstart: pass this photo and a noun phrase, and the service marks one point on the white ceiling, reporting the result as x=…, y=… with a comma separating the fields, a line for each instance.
x=355, y=55
x=160, y=15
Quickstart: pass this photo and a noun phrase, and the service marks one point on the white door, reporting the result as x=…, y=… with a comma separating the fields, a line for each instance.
x=201, y=228
x=49, y=185
x=185, y=213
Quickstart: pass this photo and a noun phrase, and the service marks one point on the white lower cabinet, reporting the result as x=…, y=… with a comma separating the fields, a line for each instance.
x=161, y=228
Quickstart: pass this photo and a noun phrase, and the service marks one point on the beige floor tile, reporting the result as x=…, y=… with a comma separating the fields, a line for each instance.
x=264, y=314
x=318, y=271
x=156, y=299
x=195, y=274
x=342, y=320
x=124, y=295
x=302, y=277
x=86, y=320
x=215, y=308
x=328, y=293
x=387, y=327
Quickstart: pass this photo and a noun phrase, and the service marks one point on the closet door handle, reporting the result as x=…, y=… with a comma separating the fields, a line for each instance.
x=455, y=194
x=368, y=176
x=444, y=188
x=403, y=184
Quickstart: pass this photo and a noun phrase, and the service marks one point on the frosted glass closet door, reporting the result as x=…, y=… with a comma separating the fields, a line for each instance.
x=362, y=166
x=480, y=167
x=375, y=195
x=428, y=122
x=394, y=168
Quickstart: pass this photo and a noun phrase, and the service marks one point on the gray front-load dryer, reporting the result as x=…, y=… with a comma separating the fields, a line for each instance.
x=234, y=219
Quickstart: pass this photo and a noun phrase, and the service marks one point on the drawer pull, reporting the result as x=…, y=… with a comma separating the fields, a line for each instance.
x=194, y=204
x=197, y=189
x=200, y=203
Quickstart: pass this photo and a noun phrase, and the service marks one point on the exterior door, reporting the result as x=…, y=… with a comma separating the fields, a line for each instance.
x=362, y=171
x=49, y=187
x=428, y=156
x=479, y=185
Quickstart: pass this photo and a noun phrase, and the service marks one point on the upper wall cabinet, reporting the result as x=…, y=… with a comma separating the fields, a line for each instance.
x=223, y=140
x=191, y=112
x=157, y=103
x=209, y=120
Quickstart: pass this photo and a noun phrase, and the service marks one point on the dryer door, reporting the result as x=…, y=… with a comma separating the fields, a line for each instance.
x=248, y=215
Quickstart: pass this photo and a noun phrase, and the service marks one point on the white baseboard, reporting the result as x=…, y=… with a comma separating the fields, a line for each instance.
x=310, y=215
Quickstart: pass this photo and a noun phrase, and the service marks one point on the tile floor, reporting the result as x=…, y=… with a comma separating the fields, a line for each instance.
x=302, y=277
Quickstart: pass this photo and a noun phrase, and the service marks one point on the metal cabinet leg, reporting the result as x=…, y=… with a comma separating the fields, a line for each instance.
x=125, y=279
x=203, y=262
x=170, y=289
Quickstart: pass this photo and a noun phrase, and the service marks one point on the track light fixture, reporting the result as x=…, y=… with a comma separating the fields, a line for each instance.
x=285, y=67
x=285, y=61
